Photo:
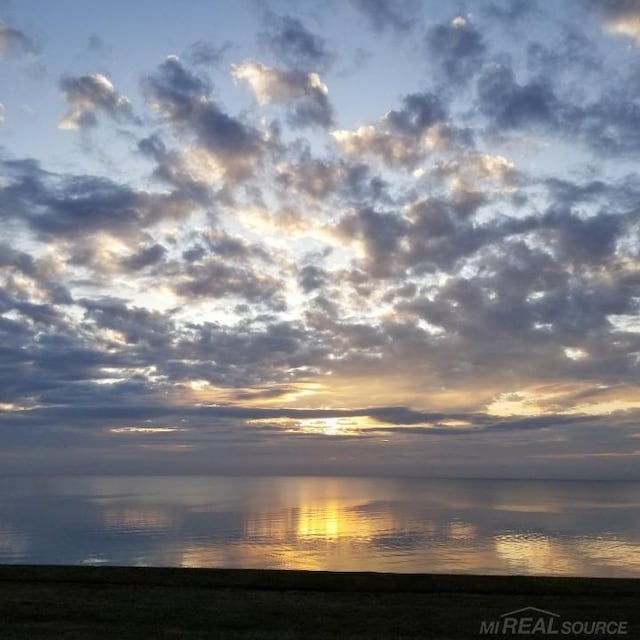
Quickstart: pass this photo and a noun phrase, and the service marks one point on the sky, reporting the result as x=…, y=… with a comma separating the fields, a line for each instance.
x=355, y=237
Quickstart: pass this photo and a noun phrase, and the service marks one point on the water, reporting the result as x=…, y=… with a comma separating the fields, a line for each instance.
x=344, y=524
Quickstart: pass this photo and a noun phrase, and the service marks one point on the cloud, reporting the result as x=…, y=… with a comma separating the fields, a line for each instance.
x=72, y=205
x=403, y=137
x=39, y=277
x=481, y=166
x=475, y=177
x=206, y=53
x=607, y=123
x=293, y=45
x=396, y=15
x=175, y=92
x=380, y=234
x=145, y=257
x=305, y=90
x=581, y=240
x=2, y=112
x=87, y=95
x=621, y=17
x=511, y=105
x=510, y=11
x=215, y=278
x=312, y=277
x=14, y=43
x=225, y=146
x=420, y=111
x=458, y=48
x=468, y=259
x=310, y=178
x=172, y=167
x=97, y=46
x=319, y=181
x=136, y=325
x=394, y=151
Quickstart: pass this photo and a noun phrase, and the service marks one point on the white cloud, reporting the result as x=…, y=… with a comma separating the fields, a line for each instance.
x=393, y=150
x=271, y=85
x=305, y=92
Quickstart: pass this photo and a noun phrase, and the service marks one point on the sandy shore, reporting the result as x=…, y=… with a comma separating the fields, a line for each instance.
x=132, y=603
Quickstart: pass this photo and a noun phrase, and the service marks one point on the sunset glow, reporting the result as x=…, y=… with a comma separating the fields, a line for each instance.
x=355, y=238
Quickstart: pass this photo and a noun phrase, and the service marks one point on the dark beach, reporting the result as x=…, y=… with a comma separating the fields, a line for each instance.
x=132, y=603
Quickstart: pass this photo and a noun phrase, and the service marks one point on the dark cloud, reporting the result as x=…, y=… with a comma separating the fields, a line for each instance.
x=510, y=105
x=312, y=277
x=55, y=205
x=403, y=137
x=14, y=43
x=380, y=234
x=41, y=272
x=583, y=240
x=96, y=45
x=183, y=99
x=319, y=181
x=171, y=168
x=363, y=185
x=536, y=295
x=430, y=236
x=607, y=124
x=395, y=15
x=136, y=324
x=145, y=257
x=510, y=11
x=420, y=111
x=244, y=355
x=216, y=278
x=549, y=60
x=206, y=53
x=87, y=95
x=10, y=257
x=458, y=48
x=293, y=45
x=310, y=177
x=312, y=112
x=175, y=92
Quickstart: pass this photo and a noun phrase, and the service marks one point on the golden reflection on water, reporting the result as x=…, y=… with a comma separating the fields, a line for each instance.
x=331, y=521
x=543, y=555
x=537, y=554
x=615, y=553
x=340, y=524
x=340, y=533
x=327, y=521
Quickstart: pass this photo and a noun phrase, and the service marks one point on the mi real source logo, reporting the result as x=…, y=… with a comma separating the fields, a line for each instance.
x=531, y=621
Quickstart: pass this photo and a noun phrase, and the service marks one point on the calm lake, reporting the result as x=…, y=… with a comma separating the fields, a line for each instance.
x=344, y=524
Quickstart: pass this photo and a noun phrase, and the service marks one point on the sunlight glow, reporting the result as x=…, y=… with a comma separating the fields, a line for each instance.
x=144, y=430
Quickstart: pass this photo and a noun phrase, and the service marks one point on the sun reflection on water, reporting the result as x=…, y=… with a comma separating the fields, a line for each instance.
x=328, y=524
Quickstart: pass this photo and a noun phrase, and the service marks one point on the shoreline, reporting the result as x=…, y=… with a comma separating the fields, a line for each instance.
x=155, y=602
x=312, y=580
